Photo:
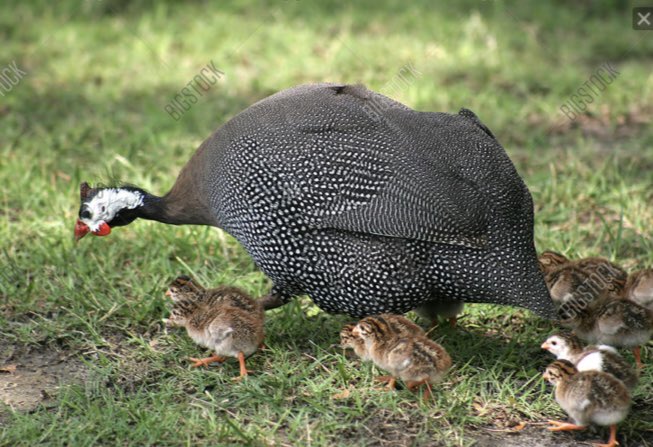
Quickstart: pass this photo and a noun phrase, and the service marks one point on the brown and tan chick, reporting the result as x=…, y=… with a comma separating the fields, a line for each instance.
x=603, y=358
x=409, y=356
x=224, y=319
x=588, y=397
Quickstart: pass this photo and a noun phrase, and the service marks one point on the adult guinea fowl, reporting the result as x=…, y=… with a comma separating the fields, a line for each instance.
x=358, y=201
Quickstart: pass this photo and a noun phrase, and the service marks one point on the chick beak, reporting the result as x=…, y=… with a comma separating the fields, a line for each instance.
x=546, y=346
x=81, y=230
x=168, y=293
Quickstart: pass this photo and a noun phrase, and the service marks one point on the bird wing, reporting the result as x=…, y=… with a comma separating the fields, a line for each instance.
x=380, y=183
x=346, y=158
x=417, y=203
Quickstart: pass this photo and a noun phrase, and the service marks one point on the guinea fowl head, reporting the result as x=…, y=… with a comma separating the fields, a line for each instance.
x=184, y=286
x=186, y=296
x=562, y=345
x=550, y=260
x=102, y=209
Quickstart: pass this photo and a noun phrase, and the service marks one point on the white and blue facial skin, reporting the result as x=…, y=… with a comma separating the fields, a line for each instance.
x=102, y=208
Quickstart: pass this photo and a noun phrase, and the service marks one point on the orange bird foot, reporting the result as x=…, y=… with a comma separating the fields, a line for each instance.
x=206, y=361
x=412, y=386
x=637, y=352
x=612, y=442
x=243, y=370
x=391, y=381
x=564, y=426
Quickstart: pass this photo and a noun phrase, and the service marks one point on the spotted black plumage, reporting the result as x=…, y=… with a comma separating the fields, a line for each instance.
x=365, y=205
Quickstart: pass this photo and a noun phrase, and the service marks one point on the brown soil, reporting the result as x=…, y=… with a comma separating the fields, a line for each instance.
x=38, y=374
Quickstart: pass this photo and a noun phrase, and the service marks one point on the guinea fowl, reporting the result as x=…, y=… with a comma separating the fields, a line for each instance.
x=356, y=200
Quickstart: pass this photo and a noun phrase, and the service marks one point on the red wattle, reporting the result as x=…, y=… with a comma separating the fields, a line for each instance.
x=81, y=229
x=103, y=229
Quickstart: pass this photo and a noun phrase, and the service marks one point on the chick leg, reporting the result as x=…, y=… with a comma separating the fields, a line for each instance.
x=413, y=385
x=564, y=426
x=637, y=352
x=390, y=380
x=206, y=361
x=612, y=442
x=243, y=370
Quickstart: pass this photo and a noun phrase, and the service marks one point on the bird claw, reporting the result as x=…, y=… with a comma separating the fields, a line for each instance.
x=563, y=426
x=391, y=382
x=205, y=361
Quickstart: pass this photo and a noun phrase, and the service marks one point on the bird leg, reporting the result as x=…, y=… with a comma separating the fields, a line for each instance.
x=564, y=426
x=276, y=298
x=271, y=301
x=413, y=385
x=453, y=321
x=390, y=380
x=612, y=442
x=206, y=361
x=638, y=356
x=243, y=370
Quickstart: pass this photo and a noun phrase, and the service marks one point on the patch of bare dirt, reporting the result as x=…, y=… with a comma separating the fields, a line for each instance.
x=31, y=376
x=539, y=436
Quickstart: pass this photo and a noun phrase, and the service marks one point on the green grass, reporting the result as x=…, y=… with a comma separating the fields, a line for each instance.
x=91, y=108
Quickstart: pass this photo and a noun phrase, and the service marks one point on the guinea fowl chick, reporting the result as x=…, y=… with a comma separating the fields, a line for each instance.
x=639, y=288
x=596, y=276
x=588, y=397
x=410, y=356
x=615, y=322
x=448, y=309
x=591, y=358
x=398, y=324
x=224, y=319
x=569, y=283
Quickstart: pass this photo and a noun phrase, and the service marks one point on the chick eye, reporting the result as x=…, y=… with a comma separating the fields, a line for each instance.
x=104, y=208
x=554, y=343
x=86, y=214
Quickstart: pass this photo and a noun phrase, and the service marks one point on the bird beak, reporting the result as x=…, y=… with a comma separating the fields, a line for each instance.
x=169, y=293
x=546, y=346
x=356, y=332
x=81, y=229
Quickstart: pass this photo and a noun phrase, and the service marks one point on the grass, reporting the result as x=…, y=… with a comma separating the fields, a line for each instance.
x=91, y=108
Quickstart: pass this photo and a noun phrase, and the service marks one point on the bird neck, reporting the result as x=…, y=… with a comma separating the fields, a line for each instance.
x=175, y=209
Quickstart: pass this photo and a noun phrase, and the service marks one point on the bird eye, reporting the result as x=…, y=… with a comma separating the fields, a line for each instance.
x=554, y=343
x=104, y=208
x=86, y=214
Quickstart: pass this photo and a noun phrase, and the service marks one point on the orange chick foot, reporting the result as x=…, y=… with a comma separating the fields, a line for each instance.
x=564, y=426
x=206, y=361
x=391, y=381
